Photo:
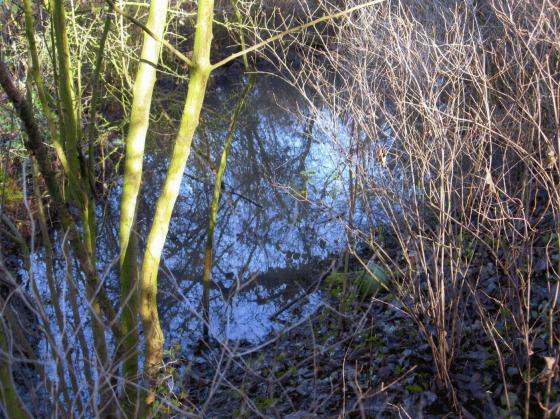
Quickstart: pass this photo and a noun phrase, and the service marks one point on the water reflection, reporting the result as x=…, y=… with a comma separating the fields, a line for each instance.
x=276, y=168
x=283, y=190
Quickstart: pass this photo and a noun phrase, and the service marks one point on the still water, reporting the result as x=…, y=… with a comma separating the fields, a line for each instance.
x=276, y=224
x=282, y=213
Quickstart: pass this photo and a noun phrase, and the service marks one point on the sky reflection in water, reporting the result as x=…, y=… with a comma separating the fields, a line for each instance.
x=275, y=156
x=267, y=232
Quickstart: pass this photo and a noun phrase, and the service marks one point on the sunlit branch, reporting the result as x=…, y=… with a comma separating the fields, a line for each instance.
x=158, y=38
x=293, y=30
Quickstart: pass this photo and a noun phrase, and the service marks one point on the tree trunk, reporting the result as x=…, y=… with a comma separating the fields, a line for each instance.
x=214, y=208
x=135, y=142
x=200, y=73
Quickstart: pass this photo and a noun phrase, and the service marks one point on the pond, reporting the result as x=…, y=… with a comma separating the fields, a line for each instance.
x=282, y=213
x=277, y=221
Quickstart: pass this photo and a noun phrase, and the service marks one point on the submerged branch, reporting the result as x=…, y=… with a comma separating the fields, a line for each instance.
x=208, y=253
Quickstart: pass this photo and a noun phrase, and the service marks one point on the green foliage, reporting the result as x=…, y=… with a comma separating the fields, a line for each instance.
x=336, y=279
x=264, y=403
x=170, y=398
x=10, y=191
x=372, y=342
x=373, y=280
x=306, y=174
x=492, y=361
x=13, y=137
x=414, y=388
x=366, y=284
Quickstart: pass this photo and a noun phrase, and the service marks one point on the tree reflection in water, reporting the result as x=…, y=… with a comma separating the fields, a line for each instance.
x=277, y=224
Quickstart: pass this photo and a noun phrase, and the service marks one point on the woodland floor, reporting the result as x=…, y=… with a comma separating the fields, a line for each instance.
x=376, y=362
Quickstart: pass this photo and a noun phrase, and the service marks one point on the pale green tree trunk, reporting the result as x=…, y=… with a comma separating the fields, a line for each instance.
x=135, y=142
x=35, y=144
x=215, y=204
x=78, y=181
x=199, y=75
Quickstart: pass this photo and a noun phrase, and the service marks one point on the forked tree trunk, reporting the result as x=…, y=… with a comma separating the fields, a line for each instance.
x=135, y=142
x=199, y=75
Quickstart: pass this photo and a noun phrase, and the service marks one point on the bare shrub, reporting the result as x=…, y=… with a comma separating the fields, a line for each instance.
x=454, y=110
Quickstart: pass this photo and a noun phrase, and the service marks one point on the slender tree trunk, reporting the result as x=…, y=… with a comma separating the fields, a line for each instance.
x=139, y=122
x=34, y=143
x=200, y=73
x=49, y=273
x=95, y=92
x=215, y=205
x=12, y=406
x=79, y=189
x=38, y=81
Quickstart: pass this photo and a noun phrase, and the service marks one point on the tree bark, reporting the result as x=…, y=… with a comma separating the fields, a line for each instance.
x=135, y=143
x=200, y=73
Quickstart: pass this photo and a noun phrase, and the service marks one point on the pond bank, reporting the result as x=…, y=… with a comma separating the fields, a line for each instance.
x=374, y=360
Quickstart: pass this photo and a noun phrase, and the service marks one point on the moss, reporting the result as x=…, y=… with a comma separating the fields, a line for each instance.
x=10, y=191
x=264, y=403
x=414, y=388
